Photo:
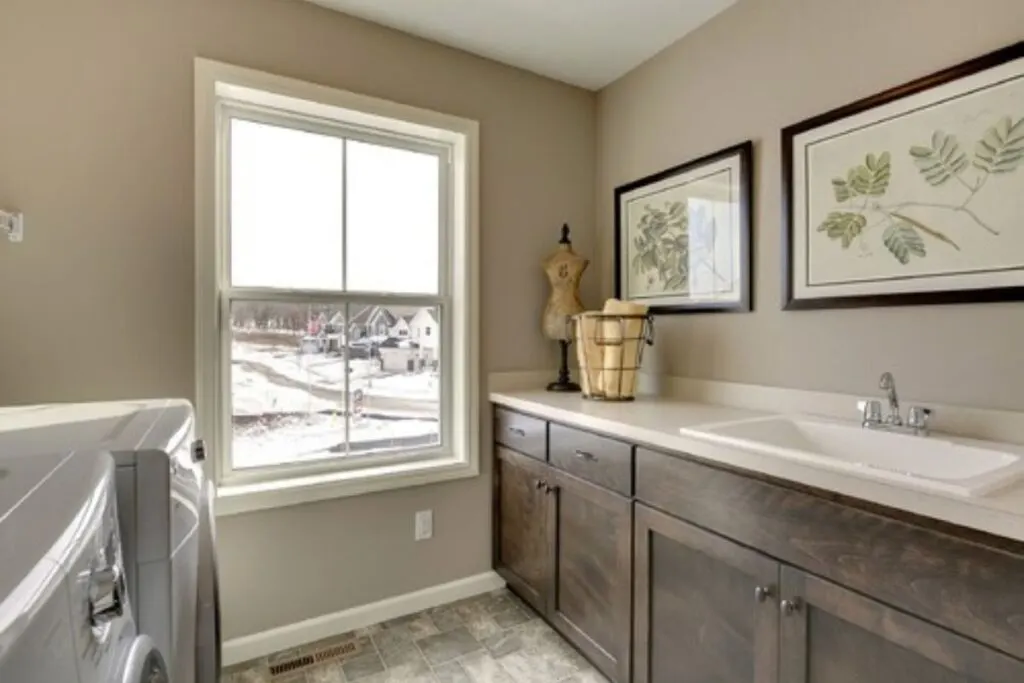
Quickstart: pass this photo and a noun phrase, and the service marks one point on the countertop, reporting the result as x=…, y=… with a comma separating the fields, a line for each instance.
x=655, y=422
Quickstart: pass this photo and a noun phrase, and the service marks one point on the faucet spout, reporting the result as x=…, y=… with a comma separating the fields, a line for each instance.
x=887, y=383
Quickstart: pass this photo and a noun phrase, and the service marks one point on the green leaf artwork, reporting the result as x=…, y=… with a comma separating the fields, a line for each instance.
x=844, y=226
x=1001, y=148
x=943, y=161
x=663, y=245
x=903, y=242
x=871, y=178
x=842, y=189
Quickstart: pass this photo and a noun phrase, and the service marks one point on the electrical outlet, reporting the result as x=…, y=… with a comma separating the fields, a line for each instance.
x=424, y=525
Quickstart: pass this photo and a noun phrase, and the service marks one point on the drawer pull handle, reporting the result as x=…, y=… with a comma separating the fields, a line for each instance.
x=762, y=593
x=516, y=431
x=584, y=455
x=790, y=607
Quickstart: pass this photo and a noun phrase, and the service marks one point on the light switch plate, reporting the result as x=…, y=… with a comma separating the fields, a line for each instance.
x=424, y=525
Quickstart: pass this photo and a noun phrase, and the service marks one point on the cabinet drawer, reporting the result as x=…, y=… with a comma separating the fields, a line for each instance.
x=952, y=581
x=528, y=435
x=598, y=459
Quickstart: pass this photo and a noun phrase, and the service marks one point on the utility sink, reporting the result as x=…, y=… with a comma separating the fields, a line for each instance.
x=962, y=467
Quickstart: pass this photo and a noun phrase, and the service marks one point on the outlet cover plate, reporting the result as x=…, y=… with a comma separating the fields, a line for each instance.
x=424, y=525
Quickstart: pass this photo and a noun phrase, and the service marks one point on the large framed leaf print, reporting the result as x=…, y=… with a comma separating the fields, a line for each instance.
x=682, y=236
x=914, y=196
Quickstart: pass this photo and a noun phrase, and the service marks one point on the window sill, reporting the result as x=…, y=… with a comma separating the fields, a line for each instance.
x=239, y=499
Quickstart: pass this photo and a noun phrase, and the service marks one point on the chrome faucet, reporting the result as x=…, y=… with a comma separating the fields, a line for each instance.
x=887, y=383
x=871, y=412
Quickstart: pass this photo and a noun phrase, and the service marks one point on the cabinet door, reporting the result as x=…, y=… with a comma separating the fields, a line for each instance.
x=833, y=635
x=590, y=600
x=523, y=533
x=706, y=609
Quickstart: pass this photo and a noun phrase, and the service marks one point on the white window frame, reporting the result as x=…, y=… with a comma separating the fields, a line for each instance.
x=223, y=91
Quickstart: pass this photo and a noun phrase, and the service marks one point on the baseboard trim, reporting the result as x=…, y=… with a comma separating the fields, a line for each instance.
x=247, y=648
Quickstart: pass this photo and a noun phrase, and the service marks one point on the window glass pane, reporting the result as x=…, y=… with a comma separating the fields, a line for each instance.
x=396, y=365
x=288, y=395
x=392, y=216
x=286, y=204
x=287, y=383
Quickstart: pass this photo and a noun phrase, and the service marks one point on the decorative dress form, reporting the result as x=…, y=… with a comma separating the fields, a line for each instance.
x=565, y=270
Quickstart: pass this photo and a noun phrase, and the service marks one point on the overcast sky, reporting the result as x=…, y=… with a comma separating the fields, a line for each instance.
x=287, y=213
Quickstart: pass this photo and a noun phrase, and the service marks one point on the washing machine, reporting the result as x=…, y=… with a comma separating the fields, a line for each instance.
x=165, y=515
x=65, y=614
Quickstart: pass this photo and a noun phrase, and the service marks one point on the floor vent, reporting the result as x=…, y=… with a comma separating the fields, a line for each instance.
x=304, y=661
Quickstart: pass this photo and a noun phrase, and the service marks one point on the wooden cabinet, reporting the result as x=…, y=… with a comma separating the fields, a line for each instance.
x=525, y=434
x=705, y=608
x=600, y=460
x=710, y=575
x=832, y=635
x=590, y=602
x=523, y=530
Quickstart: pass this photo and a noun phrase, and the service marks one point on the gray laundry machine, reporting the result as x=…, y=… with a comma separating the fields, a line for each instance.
x=164, y=512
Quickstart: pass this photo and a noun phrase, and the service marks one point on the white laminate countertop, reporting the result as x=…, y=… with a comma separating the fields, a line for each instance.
x=656, y=422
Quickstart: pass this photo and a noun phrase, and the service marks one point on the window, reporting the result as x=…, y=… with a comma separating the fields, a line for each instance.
x=325, y=220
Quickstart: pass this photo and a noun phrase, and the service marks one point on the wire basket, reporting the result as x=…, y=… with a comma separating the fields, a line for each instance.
x=610, y=347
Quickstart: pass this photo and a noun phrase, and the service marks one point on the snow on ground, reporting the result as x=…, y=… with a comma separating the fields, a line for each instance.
x=253, y=394
x=307, y=438
x=278, y=423
x=328, y=372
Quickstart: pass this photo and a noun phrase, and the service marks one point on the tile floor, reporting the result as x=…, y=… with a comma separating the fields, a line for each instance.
x=491, y=638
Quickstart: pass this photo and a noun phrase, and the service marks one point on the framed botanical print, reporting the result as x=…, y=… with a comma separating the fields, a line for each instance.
x=682, y=236
x=913, y=196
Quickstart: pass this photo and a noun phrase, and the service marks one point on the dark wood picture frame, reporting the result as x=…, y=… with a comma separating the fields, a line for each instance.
x=950, y=296
x=745, y=152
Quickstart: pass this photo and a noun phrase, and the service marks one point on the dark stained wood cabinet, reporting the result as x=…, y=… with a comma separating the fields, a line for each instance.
x=525, y=434
x=661, y=568
x=590, y=602
x=832, y=635
x=523, y=527
x=705, y=607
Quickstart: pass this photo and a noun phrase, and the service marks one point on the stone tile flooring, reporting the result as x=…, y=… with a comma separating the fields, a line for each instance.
x=491, y=638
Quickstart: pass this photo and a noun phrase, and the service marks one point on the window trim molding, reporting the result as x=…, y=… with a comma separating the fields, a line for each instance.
x=220, y=86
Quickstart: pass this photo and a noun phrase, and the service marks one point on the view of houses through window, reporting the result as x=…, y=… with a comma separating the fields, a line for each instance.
x=324, y=230
x=289, y=365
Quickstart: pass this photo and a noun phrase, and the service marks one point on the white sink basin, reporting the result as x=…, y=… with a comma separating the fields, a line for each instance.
x=962, y=467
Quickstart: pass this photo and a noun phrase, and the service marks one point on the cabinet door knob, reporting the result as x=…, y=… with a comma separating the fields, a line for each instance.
x=584, y=455
x=540, y=483
x=790, y=607
x=550, y=489
x=762, y=593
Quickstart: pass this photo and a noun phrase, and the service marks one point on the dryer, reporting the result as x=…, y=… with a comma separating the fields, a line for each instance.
x=65, y=615
x=163, y=512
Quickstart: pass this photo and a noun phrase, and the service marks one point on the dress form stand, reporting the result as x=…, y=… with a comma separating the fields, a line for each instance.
x=564, y=269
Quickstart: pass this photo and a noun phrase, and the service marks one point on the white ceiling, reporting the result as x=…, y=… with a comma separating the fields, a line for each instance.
x=588, y=43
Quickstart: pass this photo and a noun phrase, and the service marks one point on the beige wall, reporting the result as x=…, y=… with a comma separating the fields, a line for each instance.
x=758, y=67
x=96, y=146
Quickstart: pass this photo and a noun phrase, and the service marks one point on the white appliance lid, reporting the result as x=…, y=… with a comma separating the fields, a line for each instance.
x=121, y=427
x=20, y=475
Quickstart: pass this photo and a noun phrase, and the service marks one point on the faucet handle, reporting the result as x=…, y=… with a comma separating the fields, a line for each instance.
x=870, y=411
x=918, y=418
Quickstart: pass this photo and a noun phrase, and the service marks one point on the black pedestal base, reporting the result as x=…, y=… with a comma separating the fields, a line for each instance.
x=563, y=384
